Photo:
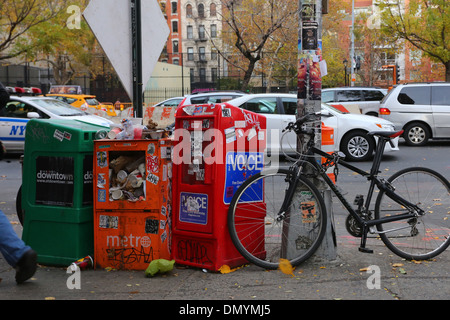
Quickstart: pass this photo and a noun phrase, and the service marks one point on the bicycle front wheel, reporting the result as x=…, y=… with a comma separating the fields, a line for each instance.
x=262, y=234
x=422, y=237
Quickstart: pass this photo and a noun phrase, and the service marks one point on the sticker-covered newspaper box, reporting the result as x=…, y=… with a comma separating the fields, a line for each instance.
x=132, y=202
x=216, y=148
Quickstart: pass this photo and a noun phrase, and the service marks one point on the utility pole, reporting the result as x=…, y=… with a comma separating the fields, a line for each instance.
x=136, y=40
x=310, y=99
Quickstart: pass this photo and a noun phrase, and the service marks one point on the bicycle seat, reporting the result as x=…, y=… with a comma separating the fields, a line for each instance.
x=386, y=134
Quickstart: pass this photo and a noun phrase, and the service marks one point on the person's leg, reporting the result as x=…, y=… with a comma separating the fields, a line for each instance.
x=11, y=246
x=16, y=253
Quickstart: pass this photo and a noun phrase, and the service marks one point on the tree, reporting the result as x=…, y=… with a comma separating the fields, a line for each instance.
x=251, y=23
x=16, y=19
x=374, y=48
x=335, y=43
x=423, y=23
x=70, y=48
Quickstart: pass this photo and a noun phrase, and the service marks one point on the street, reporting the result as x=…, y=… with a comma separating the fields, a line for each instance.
x=346, y=278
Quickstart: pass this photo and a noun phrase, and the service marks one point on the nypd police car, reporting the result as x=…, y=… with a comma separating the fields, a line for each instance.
x=19, y=110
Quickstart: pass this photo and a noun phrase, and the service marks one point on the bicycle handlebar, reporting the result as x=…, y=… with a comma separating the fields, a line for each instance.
x=297, y=125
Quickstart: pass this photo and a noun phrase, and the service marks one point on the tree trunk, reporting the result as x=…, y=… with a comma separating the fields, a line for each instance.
x=447, y=71
x=248, y=74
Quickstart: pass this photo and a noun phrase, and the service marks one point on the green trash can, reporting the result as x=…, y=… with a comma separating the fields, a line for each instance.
x=57, y=189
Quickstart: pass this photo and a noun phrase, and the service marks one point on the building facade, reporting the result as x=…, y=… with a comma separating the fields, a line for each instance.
x=201, y=32
x=371, y=56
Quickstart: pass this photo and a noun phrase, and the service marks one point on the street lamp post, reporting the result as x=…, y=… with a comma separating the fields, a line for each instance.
x=345, y=62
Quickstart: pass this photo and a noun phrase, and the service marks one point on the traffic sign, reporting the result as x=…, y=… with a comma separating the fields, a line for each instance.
x=110, y=21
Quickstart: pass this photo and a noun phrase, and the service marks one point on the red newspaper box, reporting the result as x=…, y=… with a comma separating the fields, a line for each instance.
x=216, y=148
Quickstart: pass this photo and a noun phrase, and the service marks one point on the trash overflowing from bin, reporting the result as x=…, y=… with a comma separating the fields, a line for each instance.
x=132, y=129
x=127, y=176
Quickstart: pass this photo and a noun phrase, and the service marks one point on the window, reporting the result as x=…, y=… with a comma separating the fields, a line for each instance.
x=176, y=61
x=202, y=75
x=174, y=7
x=212, y=10
x=190, y=32
x=201, y=10
x=190, y=52
x=440, y=95
x=175, y=46
x=262, y=105
x=327, y=96
x=175, y=26
x=373, y=95
x=201, y=31
x=202, y=53
x=348, y=95
x=415, y=95
x=189, y=11
x=289, y=105
x=213, y=54
x=214, y=74
x=213, y=31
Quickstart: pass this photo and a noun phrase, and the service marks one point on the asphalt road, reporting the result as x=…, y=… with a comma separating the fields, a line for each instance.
x=341, y=279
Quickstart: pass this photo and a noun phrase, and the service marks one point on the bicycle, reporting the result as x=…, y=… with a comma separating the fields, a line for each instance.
x=280, y=213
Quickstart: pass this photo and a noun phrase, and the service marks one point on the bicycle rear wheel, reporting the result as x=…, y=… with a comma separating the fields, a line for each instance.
x=423, y=237
x=262, y=238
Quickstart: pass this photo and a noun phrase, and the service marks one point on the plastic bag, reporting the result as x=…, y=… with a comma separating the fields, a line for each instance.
x=159, y=265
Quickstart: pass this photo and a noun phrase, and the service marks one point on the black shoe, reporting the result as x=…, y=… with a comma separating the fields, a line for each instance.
x=26, y=267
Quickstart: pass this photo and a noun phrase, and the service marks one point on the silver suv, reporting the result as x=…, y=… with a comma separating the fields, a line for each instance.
x=421, y=109
x=364, y=100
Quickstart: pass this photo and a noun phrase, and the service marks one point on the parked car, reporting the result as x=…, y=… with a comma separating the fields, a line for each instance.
x=172, y=102
x=84, y=102
x=364, y=100
x=421, y=109
x=210, y=97
x=350, y=130
x=19, y=110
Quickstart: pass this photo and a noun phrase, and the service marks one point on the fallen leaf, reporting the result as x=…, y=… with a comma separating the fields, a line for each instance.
x=364, y=269
x=226, y=269
x=395, y=265
x=286, y=267
x=50, y=298
x=402, y=271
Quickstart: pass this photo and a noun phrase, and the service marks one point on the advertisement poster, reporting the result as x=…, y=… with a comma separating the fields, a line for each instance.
x=239, y=167
x=54, y=181
x=194, y=208
x=88, y=179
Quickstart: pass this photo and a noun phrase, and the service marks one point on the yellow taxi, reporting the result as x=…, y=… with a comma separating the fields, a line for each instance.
x=84, y=101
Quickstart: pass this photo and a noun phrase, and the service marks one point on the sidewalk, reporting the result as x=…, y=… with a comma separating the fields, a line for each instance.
x=345, y=278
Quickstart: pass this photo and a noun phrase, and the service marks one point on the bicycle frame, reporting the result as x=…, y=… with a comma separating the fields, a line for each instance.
x=372, y=176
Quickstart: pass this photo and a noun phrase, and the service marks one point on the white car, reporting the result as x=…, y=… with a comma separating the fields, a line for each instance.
x=210, y=97
x=350, y=130
x=360, y=100
x=19, y=110
x=172, y=102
